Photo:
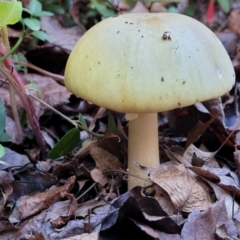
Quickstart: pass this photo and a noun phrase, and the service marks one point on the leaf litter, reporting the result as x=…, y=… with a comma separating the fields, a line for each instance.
x=195, y=192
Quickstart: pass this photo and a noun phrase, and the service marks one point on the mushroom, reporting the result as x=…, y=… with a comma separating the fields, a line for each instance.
x=146, y=63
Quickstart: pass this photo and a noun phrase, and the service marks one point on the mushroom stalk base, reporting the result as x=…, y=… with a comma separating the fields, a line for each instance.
x=142, y=147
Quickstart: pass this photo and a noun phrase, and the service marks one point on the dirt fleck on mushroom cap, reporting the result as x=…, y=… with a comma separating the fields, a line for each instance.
x=149, y=62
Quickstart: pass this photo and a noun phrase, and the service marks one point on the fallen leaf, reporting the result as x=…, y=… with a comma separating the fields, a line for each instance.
x=104, y=160
x=55, y=31
x=233, y=21
x=84, y=208
x=6, y=226
x=84, y=236
x=164, y=200
x=13, y=160
x=59, y=213
x=133, y=206
x=203, y=225
x=185, y=192
x=236, y=155
x=232, y=207
x=98, y=177
x=139, y=8
x=229, y=41
x=197, y=131
x=27, y=206
x=30, y=228
x=205, y=156
x=6, y=180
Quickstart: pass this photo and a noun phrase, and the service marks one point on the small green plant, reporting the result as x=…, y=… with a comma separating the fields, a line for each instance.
x=32, y=22
x=225, y=5
x=11, y=12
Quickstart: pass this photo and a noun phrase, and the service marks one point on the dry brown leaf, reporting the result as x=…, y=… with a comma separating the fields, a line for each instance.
x=83, y=209
x=61, y=212
x=185, y=192
x=176, y=155
x=203, y=225
x=206, y=173
x=6, y=226
x=164, y=200
x=84, y=151
x=11, y=130
x=56, y=31
x=229, y=41
x=215, y=107
x=31, y=228
x=192, y=149
x=139, y=8
x=84, y=236
x=236, y=155
x=157, y=7
x=27, y=206
x=224, y=177
x=233, y=21
x=52, y=93
x=98, y=177
x=13, y=159
x=6, y=180
x=100, y=114
x=232, y=206
x=104, y=160
x=197, y=131
x=60, y=167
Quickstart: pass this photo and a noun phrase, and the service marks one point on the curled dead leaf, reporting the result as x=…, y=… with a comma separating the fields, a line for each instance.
x=105, y=161
x=185, y=192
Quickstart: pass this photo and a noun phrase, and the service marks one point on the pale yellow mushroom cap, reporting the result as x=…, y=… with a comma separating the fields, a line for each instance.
x=147, y=62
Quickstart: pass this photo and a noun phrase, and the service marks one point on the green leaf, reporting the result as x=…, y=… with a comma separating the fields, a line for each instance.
x=82, y=121
x=66, y=144
x=41, y=35
x=190, y=10
x=35, y=7
x=225, y=5
x=2, y=117
x=111, y=123
x=19, y=57
x=33, y=86
x=44, y=14
x=27, y=10
x=173, y=9
x=4, y=137
x=2, y=151
x=32, y=23
x=102, y=9
x=10, y=12
x=55, y=8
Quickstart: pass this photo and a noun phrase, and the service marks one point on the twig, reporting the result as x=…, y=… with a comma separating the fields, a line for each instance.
x=128, y=173
x=67, y=118
x=115, y=8
x=57, y=77
x=85, y=192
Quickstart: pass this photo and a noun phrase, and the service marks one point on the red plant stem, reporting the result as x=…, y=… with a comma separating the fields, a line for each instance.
x=210, y=12
x=14, y=78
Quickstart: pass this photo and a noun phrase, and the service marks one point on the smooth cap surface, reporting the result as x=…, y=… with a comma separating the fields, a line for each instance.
x=149, y=62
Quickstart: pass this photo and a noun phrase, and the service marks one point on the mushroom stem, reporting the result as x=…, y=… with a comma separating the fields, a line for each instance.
x=142, y=146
